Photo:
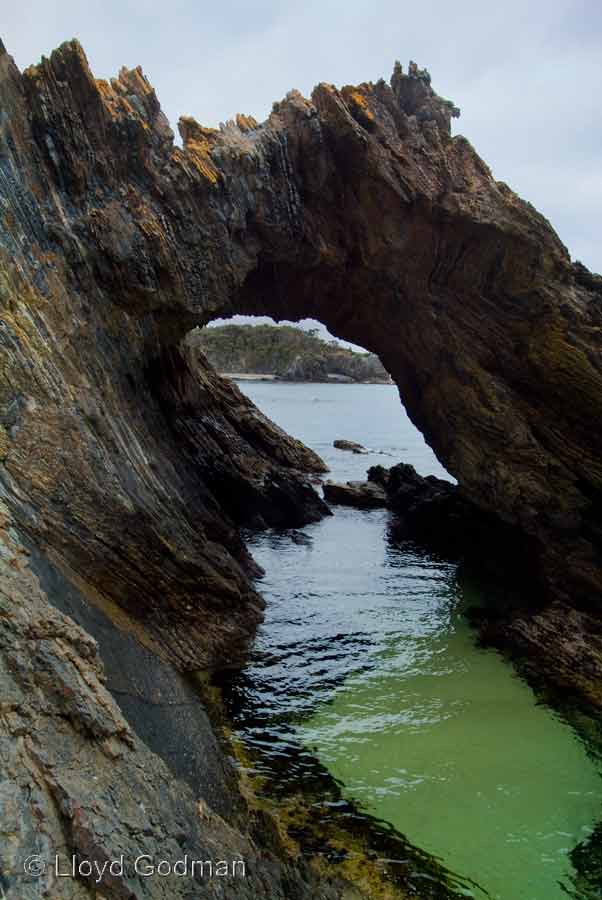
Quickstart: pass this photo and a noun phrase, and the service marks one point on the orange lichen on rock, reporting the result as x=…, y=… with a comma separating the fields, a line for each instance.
x=359, y=100
x=198, y=142
x=359, y=105
x=246, y=123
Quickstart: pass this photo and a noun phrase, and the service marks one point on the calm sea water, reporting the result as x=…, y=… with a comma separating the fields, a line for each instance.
x=366, y=659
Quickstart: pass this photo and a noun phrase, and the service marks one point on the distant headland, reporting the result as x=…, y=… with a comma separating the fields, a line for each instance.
x=285, y=353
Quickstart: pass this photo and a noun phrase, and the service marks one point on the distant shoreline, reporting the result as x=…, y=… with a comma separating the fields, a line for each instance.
x=277, y=379
x=249, y=353
x=247, y=376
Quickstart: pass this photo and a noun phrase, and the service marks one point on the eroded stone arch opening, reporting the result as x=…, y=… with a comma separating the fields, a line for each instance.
x=356, y=207
x=456, y=529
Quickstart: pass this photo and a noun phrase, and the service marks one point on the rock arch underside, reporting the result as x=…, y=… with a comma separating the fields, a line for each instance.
x=127, y=469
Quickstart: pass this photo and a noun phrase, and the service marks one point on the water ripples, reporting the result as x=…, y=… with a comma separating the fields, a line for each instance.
x=366, y=665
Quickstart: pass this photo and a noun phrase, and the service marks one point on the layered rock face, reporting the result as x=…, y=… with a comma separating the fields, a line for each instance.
x=127, y=460
x=356, y=207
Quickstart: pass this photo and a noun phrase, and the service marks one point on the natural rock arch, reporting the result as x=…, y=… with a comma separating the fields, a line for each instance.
x=357, y=208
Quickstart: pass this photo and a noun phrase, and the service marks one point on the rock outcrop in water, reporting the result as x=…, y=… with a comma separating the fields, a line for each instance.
x=350, y=446
x=361, y=494
x=436, y=514
x=126, y=473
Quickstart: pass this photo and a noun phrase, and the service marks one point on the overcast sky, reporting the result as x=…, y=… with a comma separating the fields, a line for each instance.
x=526, y=75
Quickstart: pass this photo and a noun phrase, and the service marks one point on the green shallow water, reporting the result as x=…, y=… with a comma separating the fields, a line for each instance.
x=447, y=744
x=366, y=661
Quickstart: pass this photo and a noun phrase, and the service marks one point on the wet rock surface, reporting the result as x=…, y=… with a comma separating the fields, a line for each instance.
x=77, y=779
x=160, y=705
x=435, y=513
x=429, y=509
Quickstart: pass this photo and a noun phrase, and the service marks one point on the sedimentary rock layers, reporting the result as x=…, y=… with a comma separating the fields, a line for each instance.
x=356, y=207
x=133, y=464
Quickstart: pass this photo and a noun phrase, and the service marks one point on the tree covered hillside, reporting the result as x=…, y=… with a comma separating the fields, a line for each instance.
x=286, y=352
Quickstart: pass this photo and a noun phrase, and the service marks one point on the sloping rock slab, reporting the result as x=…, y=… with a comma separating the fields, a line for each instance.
x=362, y=494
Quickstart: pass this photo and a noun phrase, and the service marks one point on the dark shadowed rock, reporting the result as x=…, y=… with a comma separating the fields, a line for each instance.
x=435, y=513
x=406, y=488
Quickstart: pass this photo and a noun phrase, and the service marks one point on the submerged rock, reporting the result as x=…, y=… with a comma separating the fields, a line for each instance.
x=352, y=446
x=297, y=537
